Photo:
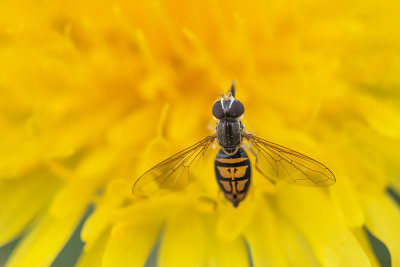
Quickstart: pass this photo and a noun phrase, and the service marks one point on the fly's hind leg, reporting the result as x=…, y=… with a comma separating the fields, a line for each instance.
x=209, y=203
x=250, y=148
x=265, y=175
x=216, y=200
x=219, y=196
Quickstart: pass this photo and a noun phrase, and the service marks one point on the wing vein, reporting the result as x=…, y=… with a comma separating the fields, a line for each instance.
x=294, y=164
x=172, y=173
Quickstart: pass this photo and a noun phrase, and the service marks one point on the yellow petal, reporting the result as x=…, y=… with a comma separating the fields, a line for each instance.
x=226, y=253
x=62, y=140
x=383, y=117
x=93, y=256
x=156, y=208
x=128, y=124
x=97, y=164
x=362, y=238
x=263, y=237
x=383, y=220
x=23, y=152
x=71, y=197
x=310, y=210
x=116, y=193
x=346, y=202
x=232, y=221
x=185, y=240
x=136, y=228
x=297, y=250
x=47, y=238
x=130, y=243
x=22, y=199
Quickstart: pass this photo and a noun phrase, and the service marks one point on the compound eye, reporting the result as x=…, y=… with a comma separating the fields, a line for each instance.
x=236, y=110
x=217, y=110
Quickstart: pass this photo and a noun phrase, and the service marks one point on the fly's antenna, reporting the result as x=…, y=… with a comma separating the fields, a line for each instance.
x=233, y=88
x=231, y=92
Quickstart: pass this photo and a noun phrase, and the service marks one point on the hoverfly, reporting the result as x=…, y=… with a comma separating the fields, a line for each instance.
x=232, y=164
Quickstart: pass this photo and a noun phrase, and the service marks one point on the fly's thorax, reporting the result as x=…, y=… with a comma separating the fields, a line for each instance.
x=229, y=134
x=233, y=173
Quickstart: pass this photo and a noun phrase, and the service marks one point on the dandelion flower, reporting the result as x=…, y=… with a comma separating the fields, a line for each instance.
x=92, y=94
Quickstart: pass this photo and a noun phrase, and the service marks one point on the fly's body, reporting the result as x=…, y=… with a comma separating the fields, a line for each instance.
x=232, y=165
x=233, y=173
x=229, y=134
x=233, y=168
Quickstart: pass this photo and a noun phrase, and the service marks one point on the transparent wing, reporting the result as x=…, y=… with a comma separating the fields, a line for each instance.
x=173, y=173
x=277, y=161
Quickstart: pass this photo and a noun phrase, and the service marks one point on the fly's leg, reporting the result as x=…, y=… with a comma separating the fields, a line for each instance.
x=208, y=203
x=265, y=175
x=219, y=196
x=250, y=148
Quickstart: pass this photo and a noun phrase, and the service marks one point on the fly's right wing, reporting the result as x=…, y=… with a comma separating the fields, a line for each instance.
x=280, y=162
x=173, y=173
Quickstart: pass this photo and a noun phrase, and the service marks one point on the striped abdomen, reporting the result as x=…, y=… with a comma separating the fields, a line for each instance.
x=233, y=174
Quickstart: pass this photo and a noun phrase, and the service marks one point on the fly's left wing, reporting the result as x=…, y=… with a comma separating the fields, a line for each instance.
x=283, y=163
x=173, y=173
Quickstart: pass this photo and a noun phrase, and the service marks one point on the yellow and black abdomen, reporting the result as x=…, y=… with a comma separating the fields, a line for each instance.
x=233, y=174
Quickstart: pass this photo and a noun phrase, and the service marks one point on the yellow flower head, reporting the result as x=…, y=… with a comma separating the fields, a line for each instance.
x=93, y=94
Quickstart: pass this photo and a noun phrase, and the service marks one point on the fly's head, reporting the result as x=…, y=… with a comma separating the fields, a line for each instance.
x=228, y=107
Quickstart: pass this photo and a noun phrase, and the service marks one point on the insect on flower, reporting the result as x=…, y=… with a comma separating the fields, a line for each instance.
x=232, y=165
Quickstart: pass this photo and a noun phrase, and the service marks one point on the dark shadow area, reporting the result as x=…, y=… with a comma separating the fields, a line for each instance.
x=6, y=250
x=152, y=259
x=71, y=252
x=393, y=194
x=381, y=251
x=249, y=254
